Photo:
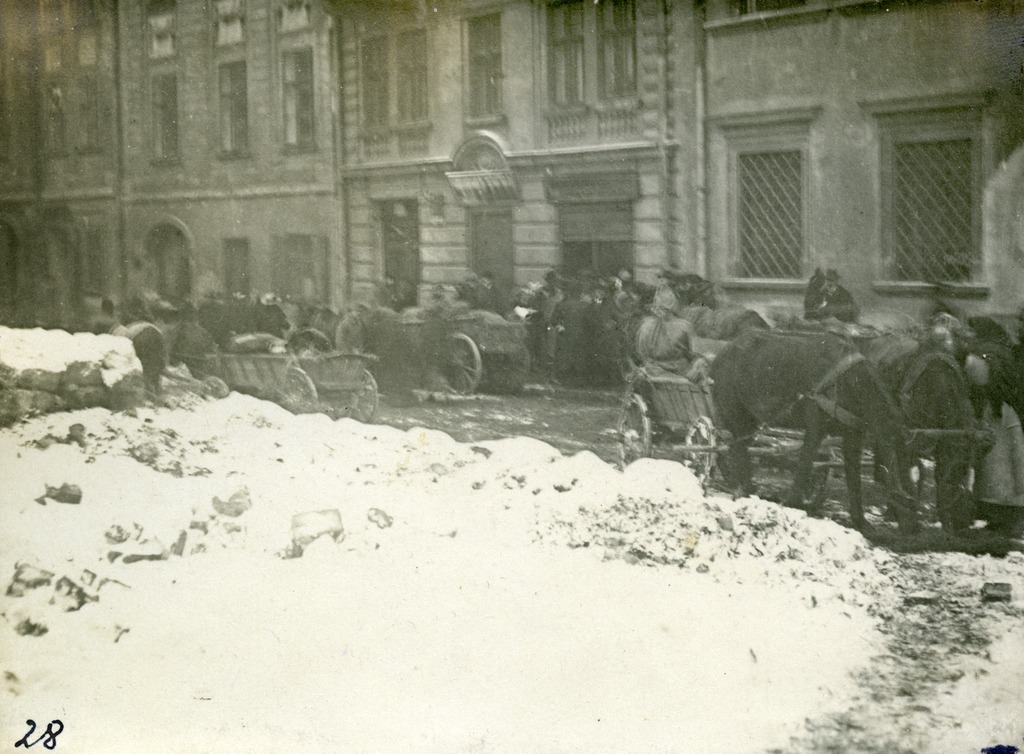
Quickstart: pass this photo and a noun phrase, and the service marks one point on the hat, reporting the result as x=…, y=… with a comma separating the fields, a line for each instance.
x=832, y=275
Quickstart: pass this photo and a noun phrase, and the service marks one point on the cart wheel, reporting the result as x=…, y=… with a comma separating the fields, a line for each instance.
x=465, y=366
x=366, y=400
x=635, y=433
x=298, y=392
x=702, y=463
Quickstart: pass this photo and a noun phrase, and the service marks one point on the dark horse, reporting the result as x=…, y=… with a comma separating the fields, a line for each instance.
x=818, y=383
x=933, y=392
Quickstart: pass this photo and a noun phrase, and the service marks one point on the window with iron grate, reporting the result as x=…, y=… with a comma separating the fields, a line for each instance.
x=762, y=6
x=770, y=214
x=933, y=210
x=297, y=66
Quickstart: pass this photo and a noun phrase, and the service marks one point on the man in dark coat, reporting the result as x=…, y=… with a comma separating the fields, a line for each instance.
x=826, y=298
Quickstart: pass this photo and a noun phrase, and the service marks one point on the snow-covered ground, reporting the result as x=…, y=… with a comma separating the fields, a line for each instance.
x=496, y=597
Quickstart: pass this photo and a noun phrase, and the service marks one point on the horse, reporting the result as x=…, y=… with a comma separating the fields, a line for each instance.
x=821, y=384
x=932, y=390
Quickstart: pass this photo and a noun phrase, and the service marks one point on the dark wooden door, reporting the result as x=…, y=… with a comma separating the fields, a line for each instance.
x=400, y=228
x=491, y=247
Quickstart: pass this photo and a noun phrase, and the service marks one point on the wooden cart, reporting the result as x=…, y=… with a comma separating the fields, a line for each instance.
x=668, y=415
x=335, y=383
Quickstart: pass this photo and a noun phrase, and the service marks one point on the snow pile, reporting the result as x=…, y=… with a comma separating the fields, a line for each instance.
x=42, y=371
x=183, y=583
x=659, y=517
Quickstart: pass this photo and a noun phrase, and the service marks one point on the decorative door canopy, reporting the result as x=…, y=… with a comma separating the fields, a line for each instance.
x=482, y=175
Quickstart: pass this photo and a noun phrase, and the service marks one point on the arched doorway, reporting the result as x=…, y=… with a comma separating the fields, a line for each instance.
x=8, y=273
x=168, y=271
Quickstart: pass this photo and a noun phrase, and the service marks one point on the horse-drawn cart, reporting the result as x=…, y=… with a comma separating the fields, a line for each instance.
x=671, y=416
x=475, y=349
x=337, y=383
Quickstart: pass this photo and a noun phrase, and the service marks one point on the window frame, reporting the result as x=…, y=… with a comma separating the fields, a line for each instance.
x=377, y=47
x=930, y=125
x=557, y=47
x=411, y=80
x=304, y=141
x=771, y=132
x=485, y=61
x=615, y=36
x=157, y=110
x=233, y=110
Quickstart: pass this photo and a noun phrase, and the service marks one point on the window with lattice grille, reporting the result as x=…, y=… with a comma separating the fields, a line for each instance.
x=933, y=209
x=770, y=225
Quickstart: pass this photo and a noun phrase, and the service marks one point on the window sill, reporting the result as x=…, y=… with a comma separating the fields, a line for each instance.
x=234, y=156
x=913, y=288
x=483, y=121
x=764, y=284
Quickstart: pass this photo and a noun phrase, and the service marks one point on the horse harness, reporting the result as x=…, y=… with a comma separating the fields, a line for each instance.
x=824, y=392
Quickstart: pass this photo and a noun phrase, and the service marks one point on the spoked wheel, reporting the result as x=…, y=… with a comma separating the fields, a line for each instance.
x=635, y=433
x=366, y=401
x=701, y=462
x=298, y=392
x=464, y=366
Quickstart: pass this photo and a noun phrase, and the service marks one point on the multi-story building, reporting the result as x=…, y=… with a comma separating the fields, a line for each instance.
x=512, y=137
x=314, y=147
x=872, y=137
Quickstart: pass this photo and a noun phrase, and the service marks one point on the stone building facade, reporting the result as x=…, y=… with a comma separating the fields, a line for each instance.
x=312, y=148
x=514, y=137
x=866, y=137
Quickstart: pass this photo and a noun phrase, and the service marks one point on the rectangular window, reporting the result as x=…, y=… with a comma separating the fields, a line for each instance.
x=565, y=53
x=412, y=76
x=300, y=267
x=234, y=108
x=298, y=97
x=88, y=120
x=770, y=224
x=165, y=116
x=375, y=82
x=293, y=15
x=93, y=261
x=933, y=206
x=485, y=74
x=236, y=266
x=617, y=72
x=596, y=237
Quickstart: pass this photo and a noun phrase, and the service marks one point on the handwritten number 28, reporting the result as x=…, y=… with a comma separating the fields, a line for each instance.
x=53, y=729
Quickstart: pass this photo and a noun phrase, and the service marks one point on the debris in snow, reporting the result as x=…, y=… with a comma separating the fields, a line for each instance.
x=27, y=577
x=66, y=493
x=307, y=526
x=133, y=552
x=921, y=598
x=28, y=627
x=235, y=506
x=71, y=596
x=379, y=517
x=996, y=592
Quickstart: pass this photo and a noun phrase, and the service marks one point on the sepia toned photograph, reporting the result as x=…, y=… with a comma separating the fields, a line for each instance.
x=512, y=376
